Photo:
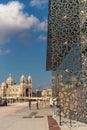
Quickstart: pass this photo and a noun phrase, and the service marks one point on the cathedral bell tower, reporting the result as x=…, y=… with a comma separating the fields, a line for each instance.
x=29, y=83
x=23, y=86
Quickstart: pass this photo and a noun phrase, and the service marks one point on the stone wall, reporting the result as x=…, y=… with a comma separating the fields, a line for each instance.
x=74, y=103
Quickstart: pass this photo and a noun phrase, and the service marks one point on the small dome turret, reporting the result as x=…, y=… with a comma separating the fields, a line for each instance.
x=22, y=79
x=29, y=79
x=3, y=84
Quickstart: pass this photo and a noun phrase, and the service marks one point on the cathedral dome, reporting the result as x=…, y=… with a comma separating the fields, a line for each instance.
x=10, y=80
x=22, y=79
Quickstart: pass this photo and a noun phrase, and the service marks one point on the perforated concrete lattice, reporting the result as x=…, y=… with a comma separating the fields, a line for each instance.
x=67, y=50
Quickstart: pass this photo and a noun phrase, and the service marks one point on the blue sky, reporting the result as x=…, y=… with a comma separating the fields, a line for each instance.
x=23, y=41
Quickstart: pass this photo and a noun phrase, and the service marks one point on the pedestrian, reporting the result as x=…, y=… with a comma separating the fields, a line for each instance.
x=44, y=104
x=37, y=104
x=29, y=104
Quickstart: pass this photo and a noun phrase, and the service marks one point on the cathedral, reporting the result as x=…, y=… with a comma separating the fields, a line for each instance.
x=9, y=89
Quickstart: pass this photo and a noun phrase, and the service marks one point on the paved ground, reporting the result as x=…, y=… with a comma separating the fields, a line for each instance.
x=18, y=117
x=74, y=125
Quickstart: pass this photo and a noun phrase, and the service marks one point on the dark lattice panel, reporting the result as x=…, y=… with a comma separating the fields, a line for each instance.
x=67, y=50
x=63, y=30
x=83, y=35
x=54, y=84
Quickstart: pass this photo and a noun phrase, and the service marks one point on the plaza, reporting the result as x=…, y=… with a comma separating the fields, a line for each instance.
x=17, y=116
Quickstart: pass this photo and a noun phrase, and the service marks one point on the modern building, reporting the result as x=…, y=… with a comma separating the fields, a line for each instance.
x=9, y=89
x=67, y=53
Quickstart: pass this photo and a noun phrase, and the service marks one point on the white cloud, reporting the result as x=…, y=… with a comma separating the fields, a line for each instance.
x=42, y=38
x=38, y=3
x=43, y=25
x=14, y=20
x=4, y=52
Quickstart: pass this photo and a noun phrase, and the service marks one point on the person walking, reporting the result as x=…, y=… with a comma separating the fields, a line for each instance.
x=44, y=103
x=30, y=104
x=37, y=104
